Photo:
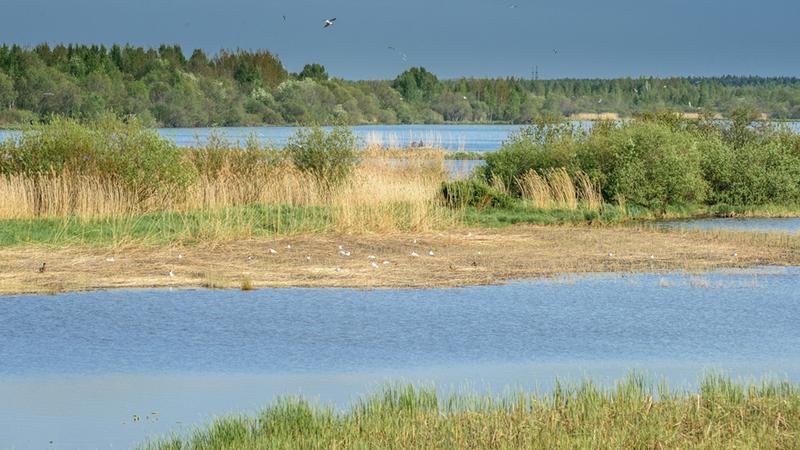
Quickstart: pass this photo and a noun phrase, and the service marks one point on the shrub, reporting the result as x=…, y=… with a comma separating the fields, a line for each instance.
x=649, y=164
x=461, y=193
x=219, y=156
x=761, y=172
x=329, y=157
x=544, y=146
x=139, y=159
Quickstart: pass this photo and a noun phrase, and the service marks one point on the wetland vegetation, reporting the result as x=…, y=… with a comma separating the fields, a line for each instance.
x=107, y=181
x=632, y=414
x=97, y=190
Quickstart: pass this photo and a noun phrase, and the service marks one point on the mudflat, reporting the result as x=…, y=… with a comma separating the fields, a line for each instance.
x=402, y=260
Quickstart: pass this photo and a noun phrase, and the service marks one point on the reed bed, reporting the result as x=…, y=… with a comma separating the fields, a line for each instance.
x=634, y=413
x=382, y=194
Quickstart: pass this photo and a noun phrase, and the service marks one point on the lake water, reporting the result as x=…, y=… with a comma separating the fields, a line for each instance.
x=75, y=368
x=767, y=225
x=480, y=138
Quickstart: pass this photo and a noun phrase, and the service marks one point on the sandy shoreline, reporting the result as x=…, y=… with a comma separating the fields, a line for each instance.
x=460, y=258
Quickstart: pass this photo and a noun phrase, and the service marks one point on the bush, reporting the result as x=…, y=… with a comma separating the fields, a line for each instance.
x=649, y=164
x=762, y=172
x=329, y=157
x=219, y=156
x=108, y=148
x=461, y=193
x=540, y=147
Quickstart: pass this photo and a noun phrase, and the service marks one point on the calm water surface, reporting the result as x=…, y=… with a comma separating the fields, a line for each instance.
x=481, y=138
x=779, y=225
x=75, y=368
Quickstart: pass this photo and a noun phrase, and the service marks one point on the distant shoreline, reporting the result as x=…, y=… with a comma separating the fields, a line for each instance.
x=578, y=117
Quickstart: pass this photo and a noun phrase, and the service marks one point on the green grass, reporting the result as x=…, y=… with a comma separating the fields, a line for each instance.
x=273, y=220
x=501, y=217
x=519, y=213
x=632, y=414
x=168, y=227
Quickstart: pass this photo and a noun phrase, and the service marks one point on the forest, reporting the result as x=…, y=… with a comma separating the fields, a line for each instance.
x=168, y=87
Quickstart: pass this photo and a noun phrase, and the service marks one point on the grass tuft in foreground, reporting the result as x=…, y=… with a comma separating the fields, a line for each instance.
x=632, y=414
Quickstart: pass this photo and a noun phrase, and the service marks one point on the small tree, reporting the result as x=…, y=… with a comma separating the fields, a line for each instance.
x=314, y=71
x=329, y=157
x=7, y=92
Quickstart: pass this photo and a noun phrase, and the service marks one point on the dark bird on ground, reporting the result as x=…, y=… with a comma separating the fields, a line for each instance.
x=41, y=268
x=329, y=22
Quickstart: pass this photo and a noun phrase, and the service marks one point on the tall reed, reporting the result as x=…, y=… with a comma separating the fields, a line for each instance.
x=380, y=195
x=556, y=189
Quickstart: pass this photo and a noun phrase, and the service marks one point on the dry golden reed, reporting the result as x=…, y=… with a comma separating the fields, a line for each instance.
x=556, y=189
x=383, y=194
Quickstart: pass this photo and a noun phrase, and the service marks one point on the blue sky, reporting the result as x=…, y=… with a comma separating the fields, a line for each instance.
x=451, y=38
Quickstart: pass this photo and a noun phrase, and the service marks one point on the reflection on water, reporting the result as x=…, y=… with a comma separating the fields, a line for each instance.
x=76, y=368
x=777, y=225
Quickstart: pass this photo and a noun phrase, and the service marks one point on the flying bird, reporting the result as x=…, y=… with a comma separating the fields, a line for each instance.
x=284, y=17
x=329, y=22
x=402, y=55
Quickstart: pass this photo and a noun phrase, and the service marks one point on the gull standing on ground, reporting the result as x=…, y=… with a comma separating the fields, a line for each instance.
x=329, y=22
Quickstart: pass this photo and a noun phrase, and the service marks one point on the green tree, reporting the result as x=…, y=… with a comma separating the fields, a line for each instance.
x=7, y=93
x=314, y=71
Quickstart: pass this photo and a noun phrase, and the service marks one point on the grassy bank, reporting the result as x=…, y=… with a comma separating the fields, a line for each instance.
x=632, y=414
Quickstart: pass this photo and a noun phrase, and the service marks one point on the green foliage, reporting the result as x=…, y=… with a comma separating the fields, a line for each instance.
x=314, y=71
x=544, y=146
x=219, y=156
x=649, y=164
x=462, y=193
x=247, y=87
x=417, y=84
x=7, y=93
x=329, y=157
x=765, y=170
x=660, y=161
x=138, y=158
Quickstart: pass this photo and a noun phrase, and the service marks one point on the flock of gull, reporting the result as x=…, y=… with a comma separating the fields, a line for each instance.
x=343, y=253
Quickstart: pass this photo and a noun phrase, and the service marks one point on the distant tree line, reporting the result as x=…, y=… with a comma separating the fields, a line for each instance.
x=162, y=86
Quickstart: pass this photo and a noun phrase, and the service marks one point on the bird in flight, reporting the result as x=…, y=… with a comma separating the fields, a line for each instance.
x=284, y=17
x=329, y=22
x=402, y=55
